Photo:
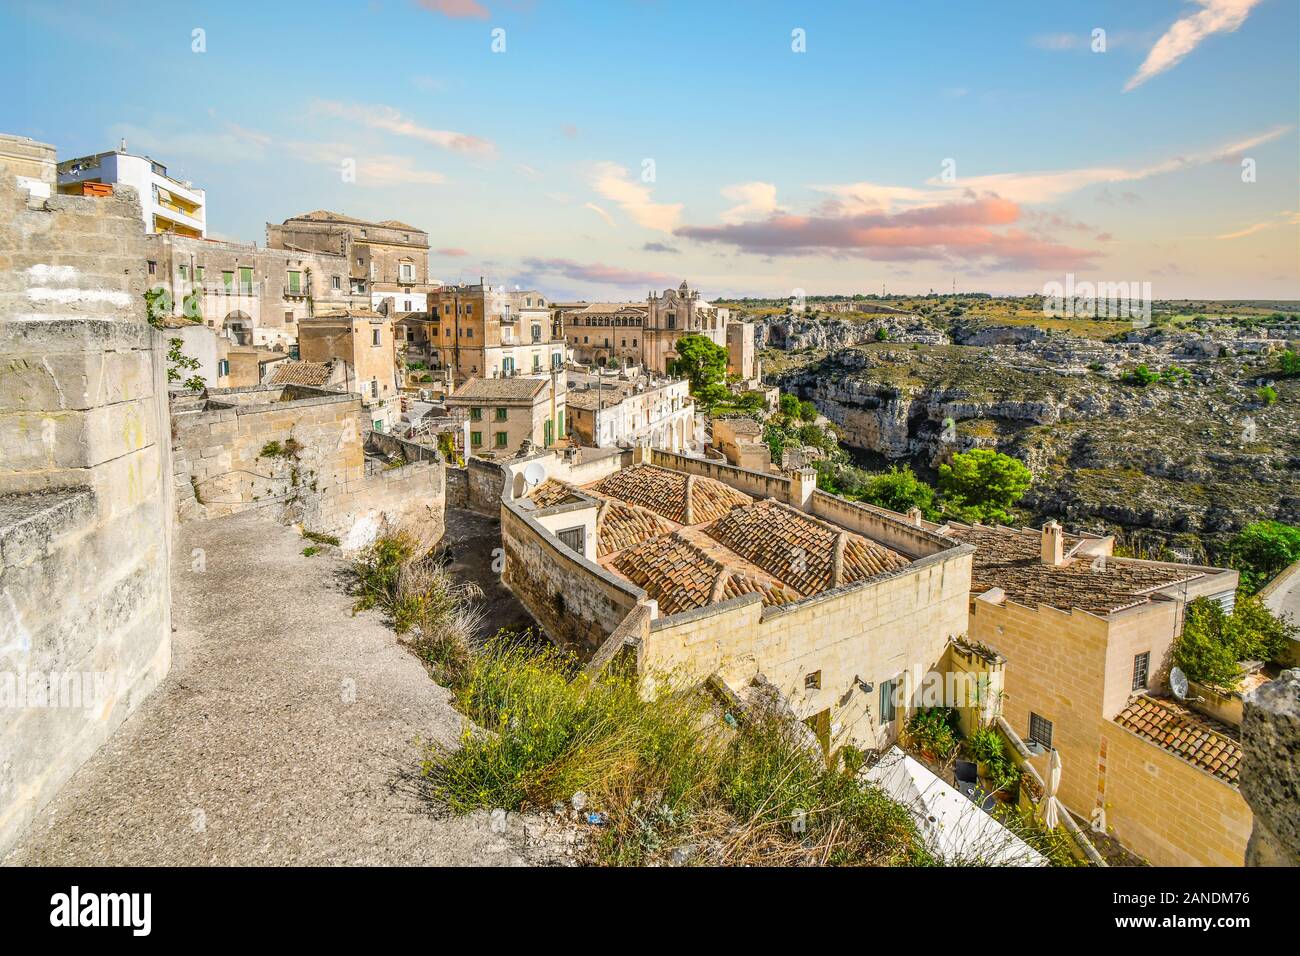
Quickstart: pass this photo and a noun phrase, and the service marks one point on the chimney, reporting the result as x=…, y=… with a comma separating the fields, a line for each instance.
x=914, y=516
x=1053, y=544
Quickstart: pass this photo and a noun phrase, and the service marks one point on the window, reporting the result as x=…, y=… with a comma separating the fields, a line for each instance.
x=575, y=539
x=476, y=439
x=537, y=333
x=1040, y=730
x=557, y=359
x=228, y=282
x=374, y=337
x=363, y=234
x=295, y=282
x=537, y=361
x=888, y=710
x=672, y=320
x=153, y=267
x=476, y=414
x=374, y=388
x=501, y=414
x=500, y=439
x=812, y=681
x=246, y=280
x=185, y=273
x=407, y=272
x=288, y=317
x=336, y=282
x=198, y=273
x=1141, y=670
x=223, y=367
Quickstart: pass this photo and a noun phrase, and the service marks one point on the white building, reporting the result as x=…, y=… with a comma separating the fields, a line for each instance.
x=168, y=205
x=613, y=414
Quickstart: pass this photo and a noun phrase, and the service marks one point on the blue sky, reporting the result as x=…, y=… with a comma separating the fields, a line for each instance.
x=613, y=147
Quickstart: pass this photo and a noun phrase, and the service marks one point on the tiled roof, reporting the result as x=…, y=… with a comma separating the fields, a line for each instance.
x=1202, y=742
x=671, y=570
x=621, y=525
x=552, y=491
x=1010, y=559
x=681, y=577
x=589, y=399
x=301, y=373
x=664, y=492
x=798, y=549
x=514, y=389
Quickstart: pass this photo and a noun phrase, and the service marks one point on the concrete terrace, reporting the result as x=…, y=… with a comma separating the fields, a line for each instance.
x=287, y=732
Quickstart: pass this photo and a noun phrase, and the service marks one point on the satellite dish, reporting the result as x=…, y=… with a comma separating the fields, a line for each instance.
x=534, y=475
x=1178, y=684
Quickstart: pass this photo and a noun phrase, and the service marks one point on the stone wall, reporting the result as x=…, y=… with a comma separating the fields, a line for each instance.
x=577, y=602
x=299, y=452
x=85, y=507
x=1270, y=772
x=476, y=487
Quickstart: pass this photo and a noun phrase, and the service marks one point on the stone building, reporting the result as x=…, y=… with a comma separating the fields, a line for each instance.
x=742, y=361
x=485, y=331
x=1087, y=640
x=698, y=569
x=251, y=296
x=672, y=314
x=619, y=414
x=85, y=495
x=604, y=333
x=167, y=205
x=504, y=413
x=387, y=260
x=359, y=344
x=33, y=163
x=740, y=440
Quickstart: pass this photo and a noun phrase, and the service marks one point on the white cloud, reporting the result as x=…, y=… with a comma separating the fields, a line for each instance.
x=754, y=199
x=1186, y=34
x=615, y=183
x=391, y=121
x=598, y=211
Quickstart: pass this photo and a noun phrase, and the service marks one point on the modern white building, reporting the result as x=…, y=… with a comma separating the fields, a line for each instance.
x=169, y=205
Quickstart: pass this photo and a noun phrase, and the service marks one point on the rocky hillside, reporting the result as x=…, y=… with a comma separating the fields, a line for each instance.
x=1199, y=453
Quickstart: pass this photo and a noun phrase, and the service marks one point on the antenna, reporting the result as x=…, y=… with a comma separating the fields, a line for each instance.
x=1178, y=684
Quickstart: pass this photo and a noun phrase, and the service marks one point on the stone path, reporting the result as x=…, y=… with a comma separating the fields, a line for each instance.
x=286, y=733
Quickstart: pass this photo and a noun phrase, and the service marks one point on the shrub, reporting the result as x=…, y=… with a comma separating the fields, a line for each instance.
x=1261, y=550
x=1213, y=643
x=1266, y=394
x=1142, y=376
x=1289, y=364
x=934, y=730
x=661, y=767
x=900, y=490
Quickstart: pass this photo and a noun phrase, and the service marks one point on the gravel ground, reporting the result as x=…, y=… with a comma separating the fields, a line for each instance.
x=288, y=732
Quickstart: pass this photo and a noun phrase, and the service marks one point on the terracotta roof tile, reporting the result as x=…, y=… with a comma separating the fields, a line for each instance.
x=671, y=570
x=621, y=525
x=301, y=373
x=798, y=549
x=664, y=492
x=552, y=491
x=1010, y=559
x=1202, y=742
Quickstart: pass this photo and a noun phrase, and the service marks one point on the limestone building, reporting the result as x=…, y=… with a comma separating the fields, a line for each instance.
x=387, y=260
x=252, y=296
x=619, y=414
x=605, y=333
x=485, y=331
x=1087, y=640
x=672, y=314
x=358, y=344
x=505, y=413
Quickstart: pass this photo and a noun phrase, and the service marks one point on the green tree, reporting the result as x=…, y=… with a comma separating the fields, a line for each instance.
x=704, y=363
x=1261, y=550
x=1289, y=364
x=178, y=363
x=789, y=405
x=900, y=490
x=981, y=484
x=1214, y=643
x=807, y=412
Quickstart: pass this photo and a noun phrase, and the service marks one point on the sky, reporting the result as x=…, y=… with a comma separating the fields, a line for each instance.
x=599, y=150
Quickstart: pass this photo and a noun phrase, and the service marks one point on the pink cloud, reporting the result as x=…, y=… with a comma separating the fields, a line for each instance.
x=451, y=253
x=456, y=9
x=976, y=231
x=598, y=272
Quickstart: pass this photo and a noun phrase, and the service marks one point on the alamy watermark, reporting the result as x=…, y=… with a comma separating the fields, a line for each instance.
x=1090, y=300
x=84, y=690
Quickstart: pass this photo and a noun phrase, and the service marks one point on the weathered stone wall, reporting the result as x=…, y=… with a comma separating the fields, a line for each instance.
x=1270, y=772
x=299, y=451
x=476, y=487
x=576, y=601
x=85, y=507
